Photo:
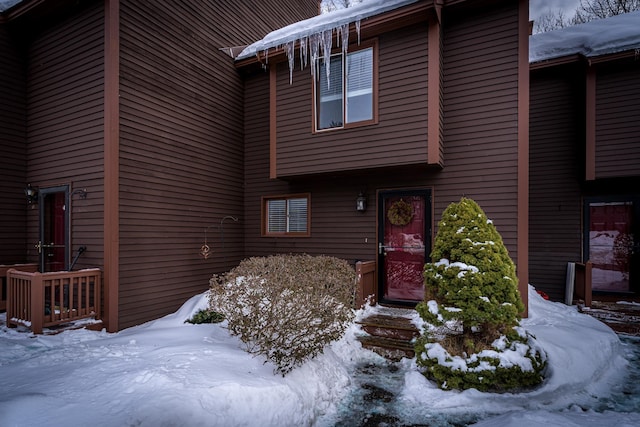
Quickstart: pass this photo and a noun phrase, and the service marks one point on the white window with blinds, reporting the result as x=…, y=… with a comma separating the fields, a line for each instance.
x=286, y=215
x=347, y=95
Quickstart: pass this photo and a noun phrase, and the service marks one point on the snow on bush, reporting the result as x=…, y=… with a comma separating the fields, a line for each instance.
x=472, y=337
x=286, y=307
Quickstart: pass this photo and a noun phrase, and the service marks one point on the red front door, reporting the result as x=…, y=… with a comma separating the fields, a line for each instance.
x=53, y=244
x=612, y=245
x=404, y=243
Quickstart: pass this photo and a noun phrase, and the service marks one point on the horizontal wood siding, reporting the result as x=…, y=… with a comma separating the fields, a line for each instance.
x=481, y=161
x=65, y=122
x=618, y=121
x=556, y=141
x=181, y=147
x=399, y=137
x=480, y=84
x=13, y=152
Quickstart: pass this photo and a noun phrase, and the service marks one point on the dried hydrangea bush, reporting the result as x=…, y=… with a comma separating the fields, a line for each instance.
x=286, y=307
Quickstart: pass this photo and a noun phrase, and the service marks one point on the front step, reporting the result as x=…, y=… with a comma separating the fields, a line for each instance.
x=390, y=333
x=623, y=318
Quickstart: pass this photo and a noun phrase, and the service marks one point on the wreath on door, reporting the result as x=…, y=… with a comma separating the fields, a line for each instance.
x=400, y=213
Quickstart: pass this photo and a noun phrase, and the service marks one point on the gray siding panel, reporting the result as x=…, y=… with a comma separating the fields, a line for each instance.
x=618, y=122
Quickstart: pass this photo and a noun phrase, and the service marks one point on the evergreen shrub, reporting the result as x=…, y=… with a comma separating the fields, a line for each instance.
x=472, y=309
x=205, y=316
x=286, y=307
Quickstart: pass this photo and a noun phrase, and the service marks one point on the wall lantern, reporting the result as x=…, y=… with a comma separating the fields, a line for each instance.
x=32, y=194
x=361, y=202
x=81, y=191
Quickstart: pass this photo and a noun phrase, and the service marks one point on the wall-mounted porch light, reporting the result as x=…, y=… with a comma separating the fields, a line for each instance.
x=361, y=202
x=81, y=191
x=32, y=194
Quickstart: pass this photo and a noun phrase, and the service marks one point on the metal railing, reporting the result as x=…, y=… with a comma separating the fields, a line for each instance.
x=42, y=300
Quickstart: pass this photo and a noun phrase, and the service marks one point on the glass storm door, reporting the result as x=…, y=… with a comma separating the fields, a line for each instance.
x=54, y=232
x=404, y=243
x=612, y=246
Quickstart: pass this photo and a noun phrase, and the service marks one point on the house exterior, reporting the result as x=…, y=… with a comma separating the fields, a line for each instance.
x=585, y=155
x=440, y=90
x=166, y=141
x=125, y=118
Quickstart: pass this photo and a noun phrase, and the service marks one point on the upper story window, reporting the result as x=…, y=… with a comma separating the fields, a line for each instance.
x=347, y=96
x=286, y=215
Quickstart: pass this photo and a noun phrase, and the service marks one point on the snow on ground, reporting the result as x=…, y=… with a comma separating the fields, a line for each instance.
x=168, y=373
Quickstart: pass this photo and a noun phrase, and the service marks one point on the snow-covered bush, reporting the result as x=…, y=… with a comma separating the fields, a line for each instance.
x=286, y=307
x=472, y=309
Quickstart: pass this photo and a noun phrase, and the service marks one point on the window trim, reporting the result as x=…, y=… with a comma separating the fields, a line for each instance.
x=265, y=215
x=373, y=44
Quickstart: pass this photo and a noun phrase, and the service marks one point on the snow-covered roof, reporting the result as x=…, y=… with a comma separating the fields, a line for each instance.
x=8, y=4
x=602, y=37
x=317, y=25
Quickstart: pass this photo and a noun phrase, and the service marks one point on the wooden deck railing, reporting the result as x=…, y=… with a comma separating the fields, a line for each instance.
x=41, y=300
x=3, y=279
x=583, y=282
x=366, y=277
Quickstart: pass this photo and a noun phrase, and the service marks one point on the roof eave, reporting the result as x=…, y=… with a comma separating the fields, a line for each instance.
x=590, y=60
x=369, y=27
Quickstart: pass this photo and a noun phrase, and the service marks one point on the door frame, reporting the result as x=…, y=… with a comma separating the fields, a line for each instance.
x=427, y=192
x=634, y=268
x=42, y=192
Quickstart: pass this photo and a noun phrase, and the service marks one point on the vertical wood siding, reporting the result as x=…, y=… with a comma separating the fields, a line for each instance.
x=65, y=122
x=400, y=136
x=557, y=165
x=618, y=121
x=13, y=152
x=480, y=132
x=181, y=147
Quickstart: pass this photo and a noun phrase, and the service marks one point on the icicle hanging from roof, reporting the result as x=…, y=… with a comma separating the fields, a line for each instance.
x=316, y=46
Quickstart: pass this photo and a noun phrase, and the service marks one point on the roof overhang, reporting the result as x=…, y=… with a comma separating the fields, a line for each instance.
x=369, y=27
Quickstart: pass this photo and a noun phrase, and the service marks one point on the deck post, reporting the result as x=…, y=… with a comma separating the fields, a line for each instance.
x=37, y=304
x=365, y=276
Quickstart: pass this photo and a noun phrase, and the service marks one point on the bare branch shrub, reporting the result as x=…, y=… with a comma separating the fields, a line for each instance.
x=286, y=307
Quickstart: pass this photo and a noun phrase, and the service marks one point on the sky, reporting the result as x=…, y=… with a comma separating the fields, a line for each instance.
x=538, y=7
x=171, y=373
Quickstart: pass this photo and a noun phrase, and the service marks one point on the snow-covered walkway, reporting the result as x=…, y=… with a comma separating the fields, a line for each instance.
x=168, y=373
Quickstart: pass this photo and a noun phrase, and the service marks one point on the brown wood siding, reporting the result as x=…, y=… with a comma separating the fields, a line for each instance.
x=618, y=121
x=181, y=145
x=480, y=85
x=481, y=161
x=13, y=152
x=65, y=122
x=556, y=156
x=399, y=137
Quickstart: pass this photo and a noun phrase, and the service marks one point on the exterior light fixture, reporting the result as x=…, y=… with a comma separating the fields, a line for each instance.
x=361, y=202
x=81, y=191
x=32, y=194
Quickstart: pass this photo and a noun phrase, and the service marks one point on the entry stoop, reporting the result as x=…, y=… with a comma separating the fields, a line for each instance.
x=390, y=333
